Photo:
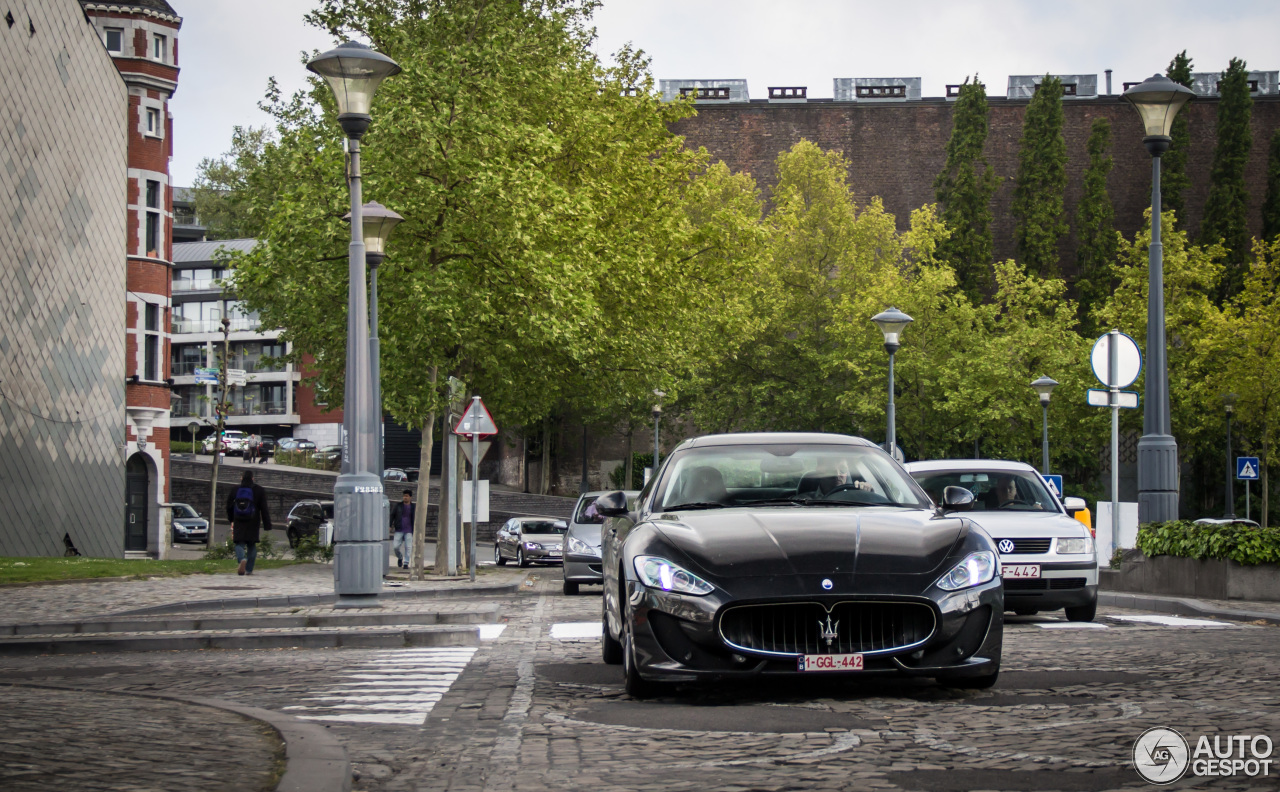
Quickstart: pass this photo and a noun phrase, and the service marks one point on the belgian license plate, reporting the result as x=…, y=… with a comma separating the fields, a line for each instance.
x=1020, y=571
x=831, y=662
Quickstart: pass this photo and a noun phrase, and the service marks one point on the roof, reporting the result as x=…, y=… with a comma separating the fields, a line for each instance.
x=190, y=252
x=774, y=438
x=149, y=7
x=969, y=464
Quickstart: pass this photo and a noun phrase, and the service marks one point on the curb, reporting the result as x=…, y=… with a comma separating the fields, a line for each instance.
x=1182, y=606
x=314, y=760
x=285, y=601
x=385, y=639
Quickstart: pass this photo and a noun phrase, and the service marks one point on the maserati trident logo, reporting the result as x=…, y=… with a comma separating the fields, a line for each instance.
x=1005, y=546
x=829, y=632
x=827, y=584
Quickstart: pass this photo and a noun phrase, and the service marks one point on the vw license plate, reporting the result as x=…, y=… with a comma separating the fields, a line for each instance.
x=831, y=662
x=1020, y=571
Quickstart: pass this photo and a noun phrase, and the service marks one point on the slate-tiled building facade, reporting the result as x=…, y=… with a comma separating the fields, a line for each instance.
x=63, y=158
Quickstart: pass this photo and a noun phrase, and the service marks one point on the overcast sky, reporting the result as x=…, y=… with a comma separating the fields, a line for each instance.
x=229, y=48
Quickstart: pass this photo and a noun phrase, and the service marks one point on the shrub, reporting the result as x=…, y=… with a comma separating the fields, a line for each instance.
x=1243, y=544
x=310, y=549
x=222, y=551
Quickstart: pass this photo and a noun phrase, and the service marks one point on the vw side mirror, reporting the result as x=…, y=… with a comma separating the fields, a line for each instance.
x=612, y=505
x=957, y=499
x=1073, y=505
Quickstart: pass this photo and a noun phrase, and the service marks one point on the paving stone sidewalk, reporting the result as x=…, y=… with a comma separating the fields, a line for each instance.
x=106, y=741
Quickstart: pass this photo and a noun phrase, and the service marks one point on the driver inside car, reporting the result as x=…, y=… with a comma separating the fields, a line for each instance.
x=829, y=476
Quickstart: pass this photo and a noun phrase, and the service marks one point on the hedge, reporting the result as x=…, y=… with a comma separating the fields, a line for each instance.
x=1243, y=544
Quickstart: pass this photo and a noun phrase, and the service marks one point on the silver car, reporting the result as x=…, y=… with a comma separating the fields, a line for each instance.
x=530, y=540
x=1047, y=558
x=188, y=525
x=582, y=543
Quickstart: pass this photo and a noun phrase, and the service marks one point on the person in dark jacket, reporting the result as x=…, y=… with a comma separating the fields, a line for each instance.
x=247, y=513
x=402, y=515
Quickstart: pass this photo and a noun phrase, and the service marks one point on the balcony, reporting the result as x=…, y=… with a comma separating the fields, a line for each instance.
x=258, y=408
x=181, y=326
x=200, y=284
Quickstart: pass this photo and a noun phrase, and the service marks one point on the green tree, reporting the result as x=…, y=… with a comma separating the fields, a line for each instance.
x=1174, y=180
x=1095, y=226
x=1041, y=181
x=1225, y=212
x=964, y=189
x=1271, y=204
x=223, y=186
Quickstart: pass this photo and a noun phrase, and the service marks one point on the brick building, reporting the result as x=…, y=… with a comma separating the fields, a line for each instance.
x=141, y=36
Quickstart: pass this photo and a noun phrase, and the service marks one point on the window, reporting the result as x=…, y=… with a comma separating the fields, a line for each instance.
x=881, y=91
x=705, y=93
x=151, y=343
x=153, y=217
x=115, y=39
x=153, y=121
x=186, y=358
x=159, y=47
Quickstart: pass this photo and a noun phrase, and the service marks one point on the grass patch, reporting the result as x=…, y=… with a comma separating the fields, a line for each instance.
x=32, y=570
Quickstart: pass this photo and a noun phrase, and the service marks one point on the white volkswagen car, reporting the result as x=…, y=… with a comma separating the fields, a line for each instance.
x=1046, y=557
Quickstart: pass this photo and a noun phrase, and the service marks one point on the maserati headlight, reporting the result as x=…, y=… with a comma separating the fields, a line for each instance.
x=976, y=569
x=532, y=546
x=1074, y=545
x=579, y=547
x=660, y=573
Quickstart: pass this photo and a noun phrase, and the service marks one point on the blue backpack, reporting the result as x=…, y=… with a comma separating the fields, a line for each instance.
x=244, y=507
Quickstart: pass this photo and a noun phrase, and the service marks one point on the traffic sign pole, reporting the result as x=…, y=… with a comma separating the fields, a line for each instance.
x=1113, y=377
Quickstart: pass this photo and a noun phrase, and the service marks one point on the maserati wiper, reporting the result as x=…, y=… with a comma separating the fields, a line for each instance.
x=696, y=505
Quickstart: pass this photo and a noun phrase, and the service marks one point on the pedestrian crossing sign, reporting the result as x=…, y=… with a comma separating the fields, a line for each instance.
x=1247, y=468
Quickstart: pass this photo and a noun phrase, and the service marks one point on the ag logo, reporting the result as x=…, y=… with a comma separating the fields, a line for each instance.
x=1005, y=546
x=1160, y=755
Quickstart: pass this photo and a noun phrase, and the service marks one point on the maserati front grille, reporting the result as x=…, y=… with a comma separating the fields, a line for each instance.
x=796, y=628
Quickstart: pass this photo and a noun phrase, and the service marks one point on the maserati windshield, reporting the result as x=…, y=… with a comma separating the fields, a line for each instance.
x=786, y=475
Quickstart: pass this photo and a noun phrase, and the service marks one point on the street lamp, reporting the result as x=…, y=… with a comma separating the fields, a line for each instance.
x=657, y=416
x=378, y=223
x=891, y=322
x=1157, y=100
x=1044, y=386
x=1230, y=400
x=354, y=71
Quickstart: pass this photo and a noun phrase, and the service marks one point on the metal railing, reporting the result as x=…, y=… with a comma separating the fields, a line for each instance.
x=180, y=326
x=197, y=284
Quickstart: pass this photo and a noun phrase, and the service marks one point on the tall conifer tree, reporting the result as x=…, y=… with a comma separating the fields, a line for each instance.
x=1271, y=206
x=1173, y=166
x=1225, y=211
x=1095, y=224
x=1042, y=181
x=964, y=189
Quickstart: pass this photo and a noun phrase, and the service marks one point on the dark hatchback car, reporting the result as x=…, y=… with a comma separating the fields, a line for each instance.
x=795, y=554
x=310, y=518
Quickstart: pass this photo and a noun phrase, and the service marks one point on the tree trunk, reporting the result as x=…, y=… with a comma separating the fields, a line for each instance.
x=544, y=486
x=629, y=466
x=424, y=493
x=1266, y=492
x=524, y=460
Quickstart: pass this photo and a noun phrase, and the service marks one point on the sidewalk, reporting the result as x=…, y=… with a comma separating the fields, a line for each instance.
x=1229, y=610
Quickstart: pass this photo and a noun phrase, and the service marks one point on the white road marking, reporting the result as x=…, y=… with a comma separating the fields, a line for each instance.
x=1173, y=621
x=395, y=687
x=1071, y=625
x=490, y=632
x=576, y=631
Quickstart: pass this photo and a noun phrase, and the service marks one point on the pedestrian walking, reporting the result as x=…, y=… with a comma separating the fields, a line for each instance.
x=402, y=527
x=248, y=515
x=251, y=448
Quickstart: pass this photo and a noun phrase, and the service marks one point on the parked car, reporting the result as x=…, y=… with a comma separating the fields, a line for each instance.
x=412, y=473
x=188, y=525
x=332, y=453
x=233, y=441
x=530, y=540
x=394, y=474
x=791, y=554
x=292, y=444
x=582, y=543
x=1228, y=521
x=310, y=518
x=1047, y=558
x=267, y=445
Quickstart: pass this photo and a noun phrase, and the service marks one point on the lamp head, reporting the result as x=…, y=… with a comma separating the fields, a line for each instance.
x=1044, y=386
x=377, y=222
x=353, y=72
x=1158, y=100
x=892, y=322
x=1230, y=400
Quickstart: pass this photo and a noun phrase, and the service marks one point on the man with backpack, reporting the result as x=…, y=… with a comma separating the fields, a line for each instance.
x=247, y=513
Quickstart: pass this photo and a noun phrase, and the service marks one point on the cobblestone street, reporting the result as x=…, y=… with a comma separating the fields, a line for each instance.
x=534, y=708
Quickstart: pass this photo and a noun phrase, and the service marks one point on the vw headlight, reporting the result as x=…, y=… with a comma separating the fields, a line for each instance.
x=532, y=546
x=660, y=573
x=579, y=547
x=976, y=569
x=1074, y=545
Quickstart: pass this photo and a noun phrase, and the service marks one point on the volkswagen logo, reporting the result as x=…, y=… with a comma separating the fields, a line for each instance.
x=827, y=584
x=1005, y=546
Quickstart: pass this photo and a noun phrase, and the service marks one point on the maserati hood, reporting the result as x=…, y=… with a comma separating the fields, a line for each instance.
x=732, y=543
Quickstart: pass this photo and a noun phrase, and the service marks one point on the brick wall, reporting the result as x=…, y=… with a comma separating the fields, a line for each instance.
x=896, y=150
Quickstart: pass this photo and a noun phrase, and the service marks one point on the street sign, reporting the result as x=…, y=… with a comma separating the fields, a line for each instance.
x=206, y=376
x=485, y=445
x=1128, y=360
x=476, y=420
x=1247, y=468
x=1126, y=399
x=237, y=377
x=1055, y=483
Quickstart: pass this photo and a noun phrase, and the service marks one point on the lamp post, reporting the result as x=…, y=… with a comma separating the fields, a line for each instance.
x=354, y=71
x=891, y=322
x=378, y=224
x=1157, y=100
x=1230, y=400
x=657, y=417
x=1044, y=386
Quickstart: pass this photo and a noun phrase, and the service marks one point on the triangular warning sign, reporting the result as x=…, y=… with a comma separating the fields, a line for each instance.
x=1247, y=471
x=477, y=420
